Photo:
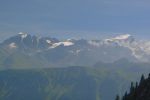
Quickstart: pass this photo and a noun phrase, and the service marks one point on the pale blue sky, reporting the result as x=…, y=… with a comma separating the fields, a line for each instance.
x=75, y=18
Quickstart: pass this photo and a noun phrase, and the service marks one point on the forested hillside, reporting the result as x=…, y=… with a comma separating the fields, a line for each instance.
x=138, y=91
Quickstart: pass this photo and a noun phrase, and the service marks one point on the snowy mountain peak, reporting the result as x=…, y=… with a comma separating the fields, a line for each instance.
x=23, y=35
x=49, y=41
x=62, y=43
x=126, y=45
x=12, y=45
x=122, y=37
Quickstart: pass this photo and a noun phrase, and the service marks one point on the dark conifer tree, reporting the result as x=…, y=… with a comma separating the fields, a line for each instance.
x=136, y=85
x=132, y=87
x=117, y=97
x=142, y=79
x=125, y=96
x=140, y=91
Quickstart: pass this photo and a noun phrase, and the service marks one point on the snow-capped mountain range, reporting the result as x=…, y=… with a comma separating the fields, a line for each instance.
x=77, y=52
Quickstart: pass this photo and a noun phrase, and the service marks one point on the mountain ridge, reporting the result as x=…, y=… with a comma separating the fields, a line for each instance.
x=70, y=52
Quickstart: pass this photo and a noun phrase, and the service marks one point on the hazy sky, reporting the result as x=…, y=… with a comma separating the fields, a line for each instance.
x=75, y=18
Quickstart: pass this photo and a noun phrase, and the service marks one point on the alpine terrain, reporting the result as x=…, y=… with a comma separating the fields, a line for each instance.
x=46, y=68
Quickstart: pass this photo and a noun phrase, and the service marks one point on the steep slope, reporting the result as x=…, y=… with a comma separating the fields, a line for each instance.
x=72, y=83
x=47, y=84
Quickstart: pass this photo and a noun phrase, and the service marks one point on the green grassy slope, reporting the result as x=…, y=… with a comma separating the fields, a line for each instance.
x=72, y=83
